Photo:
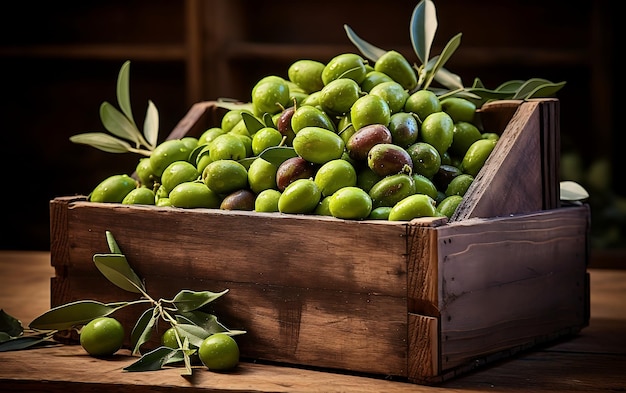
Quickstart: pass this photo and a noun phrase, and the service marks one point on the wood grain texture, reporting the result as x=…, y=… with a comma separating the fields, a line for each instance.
x=511, y=282
x=592, y=361
x=313, y=291
x=511, y=180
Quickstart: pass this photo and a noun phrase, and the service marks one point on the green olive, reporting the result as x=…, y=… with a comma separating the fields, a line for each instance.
x=477, y=155
x=398, y=68
x=422, y=103
x=339, y=95
x=300, y=197
x=438, y=131
x=459, y=109
x=166, y=153
x=270, y=95
x=194, y=195
x=225, y=176
x=350, y=203
x=413, y=206
x=307, y=74
x=334, y=175
x=318, y=145
x=393, y=93
x=310, y=116
x=370, y=109
x=345, y=65
x=140, y=196
x=113, y=189
x=373, y=78
x=448, y=206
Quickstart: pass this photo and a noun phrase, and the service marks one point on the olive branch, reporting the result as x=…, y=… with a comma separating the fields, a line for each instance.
x=183, y=312
x=422, y=30
x=122, y=124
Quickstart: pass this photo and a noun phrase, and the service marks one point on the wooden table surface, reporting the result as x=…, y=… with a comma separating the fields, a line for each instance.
x=592, y=361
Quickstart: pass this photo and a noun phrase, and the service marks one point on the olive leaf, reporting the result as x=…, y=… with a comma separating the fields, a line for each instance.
x=195, y=334
x=529, y=86
x=151, y=125
x=116, y=269
x=278, y=154
x=572, y=191
x=368, y=50
x=123, y=91
x=102, y=141
x=228, y=104
x=197, y=152
x=23, y=342
x=546, y=90
x=448, y=79
x=10, y=325
x=113, y=247
x=269, y=122
x=117, y=124
x=423, y=28
x=70, y=315
x=433, y=68
x=143, y=328
x=510, y=86
x=122, y=125
x=252, y=123
x=154, y=360
x=187, y=300
x=205, y=320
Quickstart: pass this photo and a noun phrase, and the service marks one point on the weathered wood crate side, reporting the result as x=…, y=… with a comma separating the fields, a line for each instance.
x=308, y=290
x=504, y=285
x=521, y=174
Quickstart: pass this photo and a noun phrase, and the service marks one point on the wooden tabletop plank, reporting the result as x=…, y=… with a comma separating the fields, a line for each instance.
x=592, y=361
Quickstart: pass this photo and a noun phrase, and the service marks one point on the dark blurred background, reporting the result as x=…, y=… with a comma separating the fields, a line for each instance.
x=60, y=61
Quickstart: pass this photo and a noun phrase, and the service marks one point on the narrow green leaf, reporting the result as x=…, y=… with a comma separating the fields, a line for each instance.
x=10, y=325
x=233, y=105
x=102, y=141
x=123, y=91
x=205, y=320
x=478, y=84
x=113, y=247
x=278, y=154
x=252, y=123
x=151, y=125
x=510, y=86
x=153, y=360
x=529, y=86
x=368, y=50
x=187, y=370
x=572, y=191
x=70, y=315
x=484, y=95
x=143, y=329
x=187, y=300
x=546, y=90
x=24, y=342
x=194, y=156
x=195, y=334
x=269, y=122
x=117, y=124
x=423, y=28
x=5, y=337
x=442, y=59
x=448, y=79
x=116, y=269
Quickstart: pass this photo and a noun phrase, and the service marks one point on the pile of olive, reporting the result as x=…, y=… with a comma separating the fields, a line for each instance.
x=366, y=145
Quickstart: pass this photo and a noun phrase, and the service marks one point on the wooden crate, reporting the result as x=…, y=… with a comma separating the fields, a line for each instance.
x=422, y=300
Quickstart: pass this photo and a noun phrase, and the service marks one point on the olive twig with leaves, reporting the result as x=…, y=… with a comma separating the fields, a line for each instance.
x=184, y=313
